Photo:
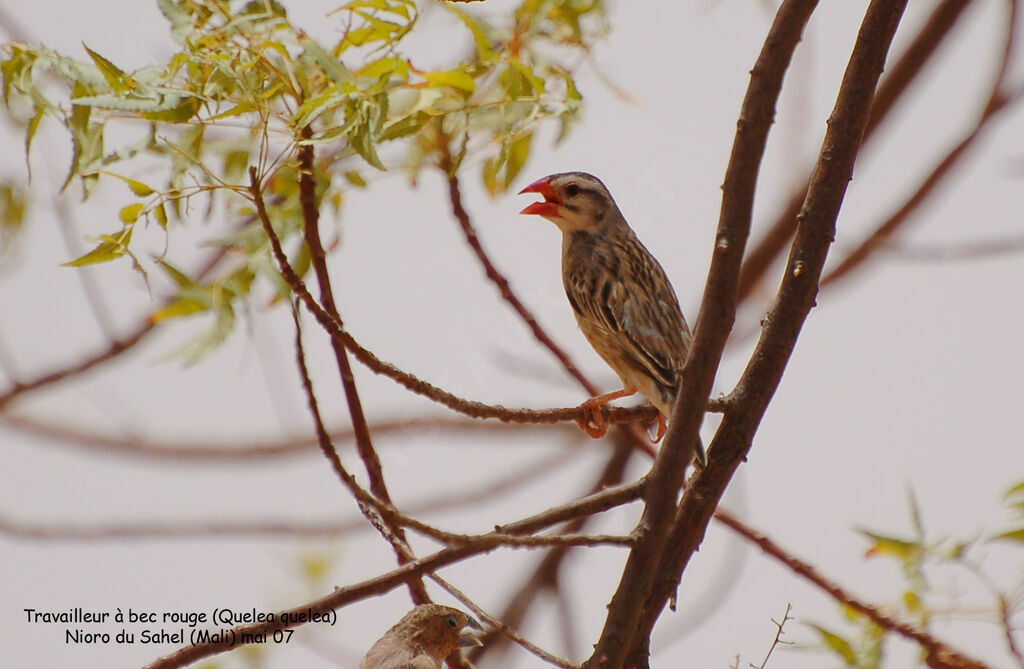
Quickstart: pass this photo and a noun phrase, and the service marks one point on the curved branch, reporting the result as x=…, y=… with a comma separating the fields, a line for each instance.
x=468, y=407
x=113, y=349
x=499, y=280
x=364, y=443
x=937, y=653
x=241, y=448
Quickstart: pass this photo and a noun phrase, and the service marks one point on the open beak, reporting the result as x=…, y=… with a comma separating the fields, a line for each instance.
x=469, y=638
x=551, y=203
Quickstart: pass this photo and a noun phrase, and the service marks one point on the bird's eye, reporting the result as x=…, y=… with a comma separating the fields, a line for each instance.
x=451, y=622
x=572, y=190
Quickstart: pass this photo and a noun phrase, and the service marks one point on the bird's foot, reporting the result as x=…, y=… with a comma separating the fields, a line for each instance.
x=662, y=429
x=594, y=423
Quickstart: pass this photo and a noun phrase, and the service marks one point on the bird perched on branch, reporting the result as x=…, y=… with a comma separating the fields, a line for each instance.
x=422, y=639
x=623, y=301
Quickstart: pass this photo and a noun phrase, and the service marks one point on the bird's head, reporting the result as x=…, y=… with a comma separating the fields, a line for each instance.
x=574, y=201
x=440, y=629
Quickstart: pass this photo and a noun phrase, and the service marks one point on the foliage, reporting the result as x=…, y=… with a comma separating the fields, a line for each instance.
x=247, y=86
x=920, y=559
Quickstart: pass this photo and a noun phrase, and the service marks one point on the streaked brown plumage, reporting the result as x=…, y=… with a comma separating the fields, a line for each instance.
x=422, y=639
x=622, y=298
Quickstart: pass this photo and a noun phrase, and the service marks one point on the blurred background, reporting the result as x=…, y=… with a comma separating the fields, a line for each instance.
x=905, y=382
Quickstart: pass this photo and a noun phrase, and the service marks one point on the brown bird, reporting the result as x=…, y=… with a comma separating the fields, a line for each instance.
x=623, y=301
x=422, y=639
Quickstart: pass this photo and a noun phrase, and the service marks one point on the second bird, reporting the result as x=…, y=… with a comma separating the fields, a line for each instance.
x=622, y=298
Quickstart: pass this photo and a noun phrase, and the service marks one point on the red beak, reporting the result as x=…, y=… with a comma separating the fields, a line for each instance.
x=551, y=203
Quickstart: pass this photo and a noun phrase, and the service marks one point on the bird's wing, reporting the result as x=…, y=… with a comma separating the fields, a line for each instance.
x=647, y=313
x=618, y=286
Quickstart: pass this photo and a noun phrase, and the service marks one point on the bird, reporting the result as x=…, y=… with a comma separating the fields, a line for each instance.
x=623, y=301
x=422, y=639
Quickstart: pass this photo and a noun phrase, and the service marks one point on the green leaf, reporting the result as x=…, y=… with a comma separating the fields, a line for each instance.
x=912, y=601
x=237, y=110
x=180, y=20
x=454, y=78
x=886, y=545
x=30, y=132
x=483, y=43
x=116, y=79
x=355, y=179
x=179, y=277
x=384, y=67
x=175, y=110
x=161, y=215
x=110, y=248
x=518, y=152
x=130, y=214
x=179, y=308
x=403, y=126
x=362, y=141
x=837, y=644
x=213, y=338
x=1015, y=491
x=137, y=187
x=1013, y=535
x=332, y=67
x=189, y=147
x=315, y=106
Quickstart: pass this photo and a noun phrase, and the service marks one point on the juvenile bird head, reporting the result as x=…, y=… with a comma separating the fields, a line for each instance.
x=429, y=630
x=574, y=201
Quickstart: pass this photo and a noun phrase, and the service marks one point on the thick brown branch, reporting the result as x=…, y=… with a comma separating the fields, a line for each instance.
x=621, y=636
x=896, y=82
x=793, y=304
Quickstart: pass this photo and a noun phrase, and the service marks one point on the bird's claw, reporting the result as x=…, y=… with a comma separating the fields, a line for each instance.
x=594, y=424
x=662, y=428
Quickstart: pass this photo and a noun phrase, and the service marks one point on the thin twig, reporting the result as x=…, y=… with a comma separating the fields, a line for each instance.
x=361, y=431
x=777, y=641
x=243, y=448
x=589, y=505
x=938, y=653
x=498, y=625
x=981, y=249
x=112, y=350
x=290, y=528
x=499, y=280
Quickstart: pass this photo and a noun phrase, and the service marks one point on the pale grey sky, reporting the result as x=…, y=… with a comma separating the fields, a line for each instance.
x=906, y=377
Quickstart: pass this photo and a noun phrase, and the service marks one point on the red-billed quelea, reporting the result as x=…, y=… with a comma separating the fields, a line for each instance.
x=623, y=301
x=422, y=639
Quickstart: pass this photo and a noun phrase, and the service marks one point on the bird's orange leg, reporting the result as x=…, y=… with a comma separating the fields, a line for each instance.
x=594, y=425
